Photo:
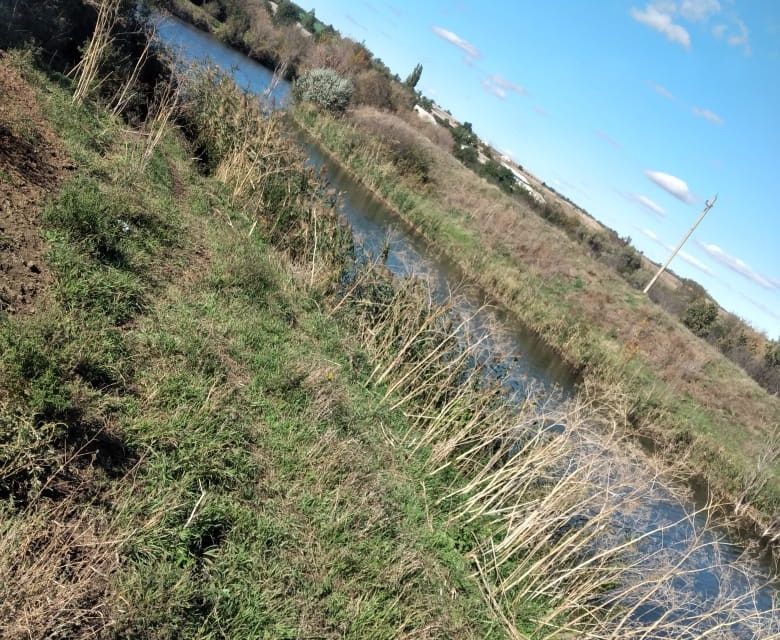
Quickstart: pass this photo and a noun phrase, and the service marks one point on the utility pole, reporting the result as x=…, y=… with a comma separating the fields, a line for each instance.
x=708, y=205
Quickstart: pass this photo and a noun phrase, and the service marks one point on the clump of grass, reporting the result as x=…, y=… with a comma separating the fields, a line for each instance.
x=263, y=169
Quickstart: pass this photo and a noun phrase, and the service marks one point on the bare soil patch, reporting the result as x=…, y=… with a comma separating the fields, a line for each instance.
x=32, y=166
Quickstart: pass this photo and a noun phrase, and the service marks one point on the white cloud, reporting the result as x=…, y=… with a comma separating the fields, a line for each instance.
x=709, y=116
x=672, y=185
x=500, y=86
x=542, y=112
x=699, y=10
x=658, y=16
x=663, y=91
x=719, y=30
x=740, y=266
x=471, y=51
x=502, y=82
x=741, y=38
x=648, y=204
x=497, y=91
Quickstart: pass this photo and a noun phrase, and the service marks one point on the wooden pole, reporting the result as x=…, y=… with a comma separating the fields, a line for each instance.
x=708, y=205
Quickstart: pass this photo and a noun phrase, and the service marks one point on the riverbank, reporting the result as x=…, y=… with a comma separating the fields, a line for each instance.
x=696, y=424
x=201, y=411
x=187, y=444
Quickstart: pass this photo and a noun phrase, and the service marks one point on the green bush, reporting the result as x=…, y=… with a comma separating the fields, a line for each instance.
x=628, y=261
x=701, y=316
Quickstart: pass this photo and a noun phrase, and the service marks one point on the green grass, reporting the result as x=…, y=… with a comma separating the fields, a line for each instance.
x=182, y=394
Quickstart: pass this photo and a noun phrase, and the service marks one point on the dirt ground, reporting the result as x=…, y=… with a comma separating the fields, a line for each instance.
x=32, y=166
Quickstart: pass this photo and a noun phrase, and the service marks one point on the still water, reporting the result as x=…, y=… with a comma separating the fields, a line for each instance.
x=515, y=353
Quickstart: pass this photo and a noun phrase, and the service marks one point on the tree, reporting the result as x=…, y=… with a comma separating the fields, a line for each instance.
x=772, y=355
x=324, y=88
x=464, y=135
x=309, y=21
x=286, y=13
x=414, y=77
x=701, y=316
x=499, y=174
x=628, y=260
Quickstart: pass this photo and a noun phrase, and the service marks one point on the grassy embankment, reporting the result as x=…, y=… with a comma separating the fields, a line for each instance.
x=187, y=448
x=202, y=437
x=685, y=393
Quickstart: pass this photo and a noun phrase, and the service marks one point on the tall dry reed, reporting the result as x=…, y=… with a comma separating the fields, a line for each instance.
x=88, y=70
x=583, y=532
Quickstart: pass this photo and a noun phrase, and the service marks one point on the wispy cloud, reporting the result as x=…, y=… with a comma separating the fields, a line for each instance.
x=355, y=22
x=719, y=30
x=502, y=82
x=672, y=185
x=469, y=49
x=398, y=13
x=736, y=35
x=608, y=139
x=648, y=204
x=699, y=10
x=662, y=91
x=494, y=89
x=500, y=86
x=694, y=262
x=740, y=266
x=659, y=16
x=683, y=255
x=741, y=38
x=542, y=112
x=709, y=116
x=651, y=234
x=775, y=313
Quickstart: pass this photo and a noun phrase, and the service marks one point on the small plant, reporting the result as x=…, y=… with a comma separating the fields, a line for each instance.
x=324, y=88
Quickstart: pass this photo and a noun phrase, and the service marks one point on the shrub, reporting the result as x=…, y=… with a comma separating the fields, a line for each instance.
x=772, y=354
x=412, y=160
x=372, y=88
x=701, y=316
x=324, y=88
x=629, y=260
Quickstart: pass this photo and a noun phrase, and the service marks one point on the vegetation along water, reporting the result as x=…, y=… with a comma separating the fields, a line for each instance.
x=254, y=381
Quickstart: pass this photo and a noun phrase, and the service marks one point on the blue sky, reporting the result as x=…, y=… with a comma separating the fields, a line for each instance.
x=638, y=111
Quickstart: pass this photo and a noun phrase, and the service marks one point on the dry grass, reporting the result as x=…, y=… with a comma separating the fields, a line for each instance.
x=56, y=566
x=88, y=70
x=569, y=500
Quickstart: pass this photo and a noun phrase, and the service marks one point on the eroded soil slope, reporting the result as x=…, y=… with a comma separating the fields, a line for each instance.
x=32, y=165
